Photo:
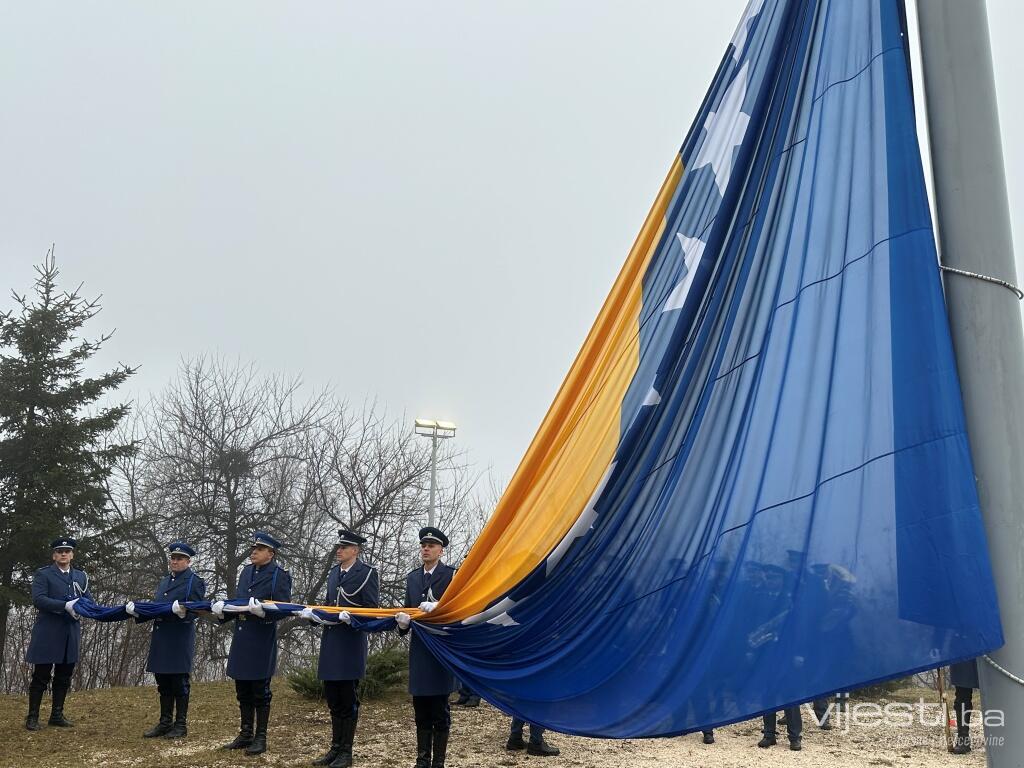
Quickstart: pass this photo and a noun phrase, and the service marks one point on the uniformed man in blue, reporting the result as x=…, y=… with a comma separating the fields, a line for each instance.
x=430, y=683
x=342, y=664
x=174, y=641
x=56, y=634
x=253, y=655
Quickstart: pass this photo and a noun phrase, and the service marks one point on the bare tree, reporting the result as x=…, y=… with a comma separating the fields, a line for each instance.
x=224, y=451
x=224, y=442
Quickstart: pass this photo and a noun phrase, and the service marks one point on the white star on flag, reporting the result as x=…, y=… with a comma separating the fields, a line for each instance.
x=496, y=614
x=583, y=523
x=653, y=398
x=724, y=131
x=739, y=39
x=693, y=249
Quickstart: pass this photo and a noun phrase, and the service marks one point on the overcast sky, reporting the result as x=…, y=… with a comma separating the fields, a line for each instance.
x=422, y=203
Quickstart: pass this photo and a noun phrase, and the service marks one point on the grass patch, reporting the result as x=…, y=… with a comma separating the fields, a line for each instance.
x=109, y=725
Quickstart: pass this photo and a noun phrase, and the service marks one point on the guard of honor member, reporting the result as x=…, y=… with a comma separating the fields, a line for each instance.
x=430, y=683
x=964, y=678
x=343, y=649
x=174, y=641
x=253, y=655
x=56, y=634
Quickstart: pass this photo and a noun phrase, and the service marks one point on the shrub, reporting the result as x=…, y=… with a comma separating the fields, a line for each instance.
x=385, y=671
x=304, y=681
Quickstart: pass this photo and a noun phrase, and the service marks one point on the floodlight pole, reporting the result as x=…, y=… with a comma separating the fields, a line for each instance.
x=435, y=430
x=433, y=477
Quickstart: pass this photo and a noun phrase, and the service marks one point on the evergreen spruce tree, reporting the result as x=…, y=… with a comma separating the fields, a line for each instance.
x=55, y=446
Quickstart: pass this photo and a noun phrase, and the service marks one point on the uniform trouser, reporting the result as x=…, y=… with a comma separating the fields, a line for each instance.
x=794, y=722
x=536, y=731
x=821, y=710
x=254, y=693
x=342, y=698
x=432, y=712
x=61, y=678
x=962, y=706
x=177, y=685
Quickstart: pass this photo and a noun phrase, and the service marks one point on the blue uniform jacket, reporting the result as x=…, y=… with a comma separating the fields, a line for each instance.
x=343, y=649
x=253, y=654
x=174, y=639
x=427, y=676
x=55, y=635
x=964, y=674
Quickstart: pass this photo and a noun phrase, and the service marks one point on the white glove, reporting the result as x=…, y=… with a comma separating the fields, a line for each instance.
x=345, y=617
x=308, y=613
x=403, y=619
x=256, y=609
x=217, y=609
x=427, y=607
x=178, y=609
x=129, y=608
x=69, y=606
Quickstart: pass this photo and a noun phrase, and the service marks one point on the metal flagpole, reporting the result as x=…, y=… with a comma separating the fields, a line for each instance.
x=974, y=236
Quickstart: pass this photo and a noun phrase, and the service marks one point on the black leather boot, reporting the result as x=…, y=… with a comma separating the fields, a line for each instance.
x=166, y=716
x=439, y=748
x=962, y=741
x=244, y=737
x=515, y=742
x=35, y=698
x=332, y=753
x=179, y=729
x=259, y=738
x=541, y=748
x=60, y=693
x=424, y=737
x=348, y=733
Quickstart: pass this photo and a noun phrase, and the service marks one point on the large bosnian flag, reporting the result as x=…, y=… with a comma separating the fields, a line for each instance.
x=754, y=487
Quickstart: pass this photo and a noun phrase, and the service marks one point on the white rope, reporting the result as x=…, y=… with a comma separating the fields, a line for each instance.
x=986, y=278
x=349, y=595
x=1006, y=672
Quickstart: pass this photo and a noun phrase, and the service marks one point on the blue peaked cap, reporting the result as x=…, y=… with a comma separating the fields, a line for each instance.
x=264, y=538
x=181, y=548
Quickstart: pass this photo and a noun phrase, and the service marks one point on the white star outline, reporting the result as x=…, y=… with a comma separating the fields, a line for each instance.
x=693, y=249
x=739, y=38
x=653, y=398
x=724, y=131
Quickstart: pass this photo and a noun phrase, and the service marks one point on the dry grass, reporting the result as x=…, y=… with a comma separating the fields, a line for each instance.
x=109, y=724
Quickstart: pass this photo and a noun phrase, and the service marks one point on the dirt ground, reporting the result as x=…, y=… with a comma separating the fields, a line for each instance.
x=109, y=723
